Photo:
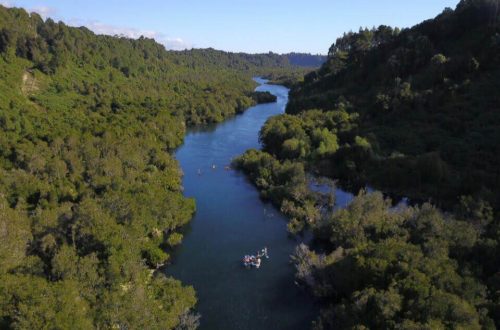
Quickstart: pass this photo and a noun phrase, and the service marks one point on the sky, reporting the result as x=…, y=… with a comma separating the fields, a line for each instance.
x=252, y=26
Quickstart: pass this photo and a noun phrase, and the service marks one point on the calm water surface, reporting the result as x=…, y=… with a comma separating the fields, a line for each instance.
x=232, y=221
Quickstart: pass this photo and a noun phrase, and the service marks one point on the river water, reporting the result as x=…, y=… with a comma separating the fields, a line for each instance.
x=231, y=221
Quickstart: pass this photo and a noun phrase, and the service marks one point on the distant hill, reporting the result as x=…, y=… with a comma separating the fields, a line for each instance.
x=244, y=61
x=306, y=60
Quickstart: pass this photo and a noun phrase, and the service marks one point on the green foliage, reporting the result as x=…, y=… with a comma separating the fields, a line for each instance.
x=15, y=235
x=34, y=303
x=427, y=93
x=306, y=60
x=90, y=194
x=414, y=113
x=264, y=97
x=325, y=141
x=309, y=136
x=174, y=239
x=439, y=59
x=288, y=78
x=290, y=141
x=392, y=269
x=284, y=183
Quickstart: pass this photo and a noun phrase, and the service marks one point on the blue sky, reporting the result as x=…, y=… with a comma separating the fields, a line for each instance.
x=237, y=25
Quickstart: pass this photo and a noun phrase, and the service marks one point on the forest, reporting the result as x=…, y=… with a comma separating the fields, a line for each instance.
x=91, y=199
x=427, y=105
x=413, y=113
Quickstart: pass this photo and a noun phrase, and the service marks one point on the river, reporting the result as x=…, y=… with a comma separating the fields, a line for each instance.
x=231, y=221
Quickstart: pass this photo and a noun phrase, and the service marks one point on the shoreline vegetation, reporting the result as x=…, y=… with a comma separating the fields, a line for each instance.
x=414, y=113
x=90, y=195
x=263, y=97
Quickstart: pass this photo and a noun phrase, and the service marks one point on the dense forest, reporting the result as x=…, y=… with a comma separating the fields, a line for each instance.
x=306, y=60
x=249, y=62
x=413, y=112
x=427, y=105
x=90, y=194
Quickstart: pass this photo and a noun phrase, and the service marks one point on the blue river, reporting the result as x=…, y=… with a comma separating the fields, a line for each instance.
x=231, y=221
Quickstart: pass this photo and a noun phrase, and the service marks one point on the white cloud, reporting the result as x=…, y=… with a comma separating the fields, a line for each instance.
x=6, y=3
x=43, y=11
x=175, y=43
x=113, y=30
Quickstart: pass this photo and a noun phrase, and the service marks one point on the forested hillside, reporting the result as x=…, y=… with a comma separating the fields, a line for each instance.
x=90, y=195
x=306, y=60
x=427, y=103
x=283, y=69
x=413, y=112
x=244, y=61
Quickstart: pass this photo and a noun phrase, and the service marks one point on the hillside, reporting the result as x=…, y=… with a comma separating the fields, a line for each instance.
x=415, y=113
x=427, y=105
x=282, y=69
x=249, y=62
x=90, y=194
x=306, y=60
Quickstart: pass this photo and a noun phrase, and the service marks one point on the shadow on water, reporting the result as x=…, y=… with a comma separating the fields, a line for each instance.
x=231, y=221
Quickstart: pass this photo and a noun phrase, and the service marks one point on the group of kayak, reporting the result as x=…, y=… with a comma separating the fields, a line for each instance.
x=227, y=168
x=255, y=260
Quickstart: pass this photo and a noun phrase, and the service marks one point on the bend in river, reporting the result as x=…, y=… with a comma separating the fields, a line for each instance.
x=231, y=221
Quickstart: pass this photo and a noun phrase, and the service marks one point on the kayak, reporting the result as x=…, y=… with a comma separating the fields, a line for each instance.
x=255, y=261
